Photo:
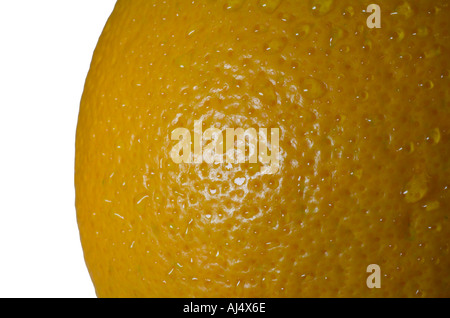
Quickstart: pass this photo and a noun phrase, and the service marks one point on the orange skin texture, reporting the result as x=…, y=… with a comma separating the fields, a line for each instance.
x=364, y=177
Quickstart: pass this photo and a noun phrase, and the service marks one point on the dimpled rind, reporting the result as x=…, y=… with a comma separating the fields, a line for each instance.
x=364, y=176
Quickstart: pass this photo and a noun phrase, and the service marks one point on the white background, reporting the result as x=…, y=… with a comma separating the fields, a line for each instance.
x=45, y=51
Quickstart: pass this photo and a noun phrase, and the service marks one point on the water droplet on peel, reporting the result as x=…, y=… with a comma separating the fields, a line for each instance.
x=416, y=188
x=269, y=6
x=321, y=7
x=312, y=88
x=233, y=5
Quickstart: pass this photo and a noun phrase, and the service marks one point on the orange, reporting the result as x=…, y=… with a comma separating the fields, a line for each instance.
x=364, y=176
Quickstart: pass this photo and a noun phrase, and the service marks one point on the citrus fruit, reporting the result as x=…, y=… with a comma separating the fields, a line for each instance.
x=361, y=192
